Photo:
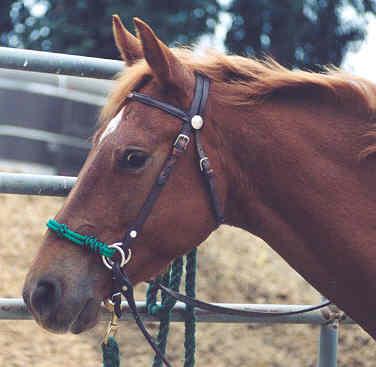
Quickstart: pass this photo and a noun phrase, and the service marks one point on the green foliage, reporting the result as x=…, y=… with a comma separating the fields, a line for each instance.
x=84, y=26
x=7, y=31
x=303, y=33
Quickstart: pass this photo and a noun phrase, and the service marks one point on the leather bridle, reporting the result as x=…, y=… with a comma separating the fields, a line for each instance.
x=192, y=123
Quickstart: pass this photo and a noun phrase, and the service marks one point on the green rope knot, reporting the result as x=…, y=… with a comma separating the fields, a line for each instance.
x=89, y=242
x=95, y=245
x=62, y=230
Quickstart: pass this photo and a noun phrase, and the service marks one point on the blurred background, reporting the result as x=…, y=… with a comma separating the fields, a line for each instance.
x=298, y=33
x=302, y=33
x=45, y=126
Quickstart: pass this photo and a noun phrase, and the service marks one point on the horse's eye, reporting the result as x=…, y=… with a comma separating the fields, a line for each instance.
x=133, y=159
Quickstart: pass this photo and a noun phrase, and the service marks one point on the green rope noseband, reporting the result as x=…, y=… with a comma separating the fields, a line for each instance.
x=89, y=242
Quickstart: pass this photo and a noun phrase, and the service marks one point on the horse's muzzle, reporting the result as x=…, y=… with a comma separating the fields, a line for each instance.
x=44, y=299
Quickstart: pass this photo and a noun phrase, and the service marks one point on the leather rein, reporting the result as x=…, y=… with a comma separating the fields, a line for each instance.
x=192, y=123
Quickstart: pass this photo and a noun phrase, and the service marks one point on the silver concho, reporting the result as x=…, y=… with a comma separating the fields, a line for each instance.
x=197, y=122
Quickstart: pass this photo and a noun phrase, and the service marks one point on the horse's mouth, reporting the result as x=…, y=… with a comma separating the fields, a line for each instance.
x=86, y=318
x=63, y=321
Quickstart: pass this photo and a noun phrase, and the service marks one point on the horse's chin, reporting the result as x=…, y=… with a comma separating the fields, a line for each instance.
x=87, y=318
x=65, y=321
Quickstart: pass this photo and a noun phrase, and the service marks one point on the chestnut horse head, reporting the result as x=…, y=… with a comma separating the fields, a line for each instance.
x=128, y=152
x=284, y=146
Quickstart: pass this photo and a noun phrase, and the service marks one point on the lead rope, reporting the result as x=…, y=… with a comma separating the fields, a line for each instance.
x=190, y=318
x=172, y=279
x=111, y=353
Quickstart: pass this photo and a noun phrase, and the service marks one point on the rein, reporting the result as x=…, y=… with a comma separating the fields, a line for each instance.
x=192, y=123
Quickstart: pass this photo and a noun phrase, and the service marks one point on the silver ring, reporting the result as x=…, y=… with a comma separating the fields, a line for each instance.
x=124, y=260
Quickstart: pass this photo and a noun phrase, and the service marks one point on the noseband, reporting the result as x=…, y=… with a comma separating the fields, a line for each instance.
x=192, y=123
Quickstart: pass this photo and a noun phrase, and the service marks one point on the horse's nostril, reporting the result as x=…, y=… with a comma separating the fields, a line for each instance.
x=45, y=297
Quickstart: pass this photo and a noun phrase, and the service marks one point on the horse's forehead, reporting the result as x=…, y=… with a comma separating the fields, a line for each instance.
x=112, y=125
x=148, y=119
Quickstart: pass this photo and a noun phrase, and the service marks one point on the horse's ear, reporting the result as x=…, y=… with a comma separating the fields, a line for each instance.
x=165, y=65
x=128, y=45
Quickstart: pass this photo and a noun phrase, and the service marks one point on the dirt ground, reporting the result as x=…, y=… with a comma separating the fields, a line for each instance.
x=233, y=267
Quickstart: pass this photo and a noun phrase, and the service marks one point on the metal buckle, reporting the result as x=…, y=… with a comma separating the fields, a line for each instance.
x=124, y=260
x=202, y=160
x=186, y=139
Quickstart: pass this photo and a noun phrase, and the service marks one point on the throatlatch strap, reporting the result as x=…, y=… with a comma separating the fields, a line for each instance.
x=204, y=162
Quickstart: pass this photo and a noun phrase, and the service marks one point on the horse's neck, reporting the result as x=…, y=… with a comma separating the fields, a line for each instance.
x=296, y=181
x=298, y=163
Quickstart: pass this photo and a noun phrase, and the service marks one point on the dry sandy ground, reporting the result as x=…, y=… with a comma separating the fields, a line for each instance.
x=233, y=267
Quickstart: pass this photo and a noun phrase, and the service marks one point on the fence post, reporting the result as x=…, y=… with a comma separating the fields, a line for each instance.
x=328, y=341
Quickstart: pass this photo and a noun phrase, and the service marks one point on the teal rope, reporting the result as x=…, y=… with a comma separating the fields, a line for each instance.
x=190, y=320
x=151, y=298
x=90, y=242
x=174, y=283
x=172, y=279
x=110, y=353
x=164, y=326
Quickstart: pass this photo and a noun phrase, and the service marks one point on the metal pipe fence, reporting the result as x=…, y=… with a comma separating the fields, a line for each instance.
x=10, y=130
x=15, y=309
x=55, y=63
x=43, y=185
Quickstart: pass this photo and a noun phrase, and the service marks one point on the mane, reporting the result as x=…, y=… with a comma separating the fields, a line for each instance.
x=248, y=81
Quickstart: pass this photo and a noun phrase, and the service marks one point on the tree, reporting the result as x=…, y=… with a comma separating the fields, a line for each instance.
x=6, y=24
x=300, y=33
x=84, y=26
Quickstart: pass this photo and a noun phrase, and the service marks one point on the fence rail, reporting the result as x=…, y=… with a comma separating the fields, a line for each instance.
x=55, y=63
x=21, y=132
x=42, y=185
x=14, y=309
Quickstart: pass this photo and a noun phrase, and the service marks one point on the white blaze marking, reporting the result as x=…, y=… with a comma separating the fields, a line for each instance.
x=112, y=125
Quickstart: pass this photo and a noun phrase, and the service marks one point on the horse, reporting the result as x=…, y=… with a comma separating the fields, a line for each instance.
x=292, y=154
